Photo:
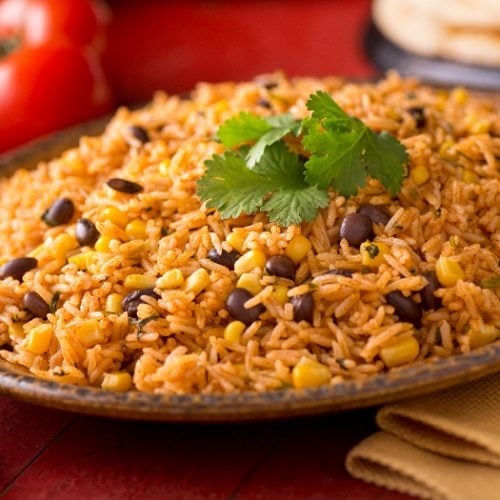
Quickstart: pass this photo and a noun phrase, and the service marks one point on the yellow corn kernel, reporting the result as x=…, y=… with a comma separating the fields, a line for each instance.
x=297, y=248
x=310, y=373
x=419, y=175
x=16, y=330
x=476, y=125
x=402, y=352
x=233, y=331
x=470, y=177
x=136, y=229
x=460, y=95
x=236, y=241
x=221, y=105
x=138, y=281
x=117, y=381
x=280, y=293
x=39, y=339
x=171, y=279
x=75, y=163
x=486, y=335
x=479, y=127
x=441, y=101
x=82, y=260
x=249, y=261
x=88, y=333
x=448, y=271
x=114, y=303
x=116, y=216
x=250, y=282
x=63, y=243
x=164, y=166
x=444, y=149
x=37, y=251
x=372, y=254
x=197, y=281
x=102, y=244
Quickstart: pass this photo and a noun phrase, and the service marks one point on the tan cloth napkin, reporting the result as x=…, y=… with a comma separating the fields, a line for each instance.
x=441, y=446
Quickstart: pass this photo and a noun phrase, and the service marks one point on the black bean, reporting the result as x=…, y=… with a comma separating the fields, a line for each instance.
x=356, y=228
x=418, y=115
x=375, y=213
x=429, y=300
x=131, y=308
x=226, y=259
x=264, y=103
x=405, y=308
x=34, y=303
x=131, y=301
x=341, y=272
x=139, y=133
x=60, y=212
x=235, y=305
x=282, y=266
x=124, y=186
x=16, y=268
x=303, y=306
x=85, y=232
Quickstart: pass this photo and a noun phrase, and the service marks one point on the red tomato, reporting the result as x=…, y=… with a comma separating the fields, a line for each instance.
x=37, y=22
x=50, y=69
x=49, y=87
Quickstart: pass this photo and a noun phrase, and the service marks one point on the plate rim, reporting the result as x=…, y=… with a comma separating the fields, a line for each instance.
x=395, y=385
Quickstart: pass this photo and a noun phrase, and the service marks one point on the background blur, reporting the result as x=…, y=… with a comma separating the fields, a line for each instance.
x=66, y=61
x=155, y=44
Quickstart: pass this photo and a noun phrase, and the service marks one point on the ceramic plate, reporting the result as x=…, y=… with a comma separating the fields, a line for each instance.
x=420, y=378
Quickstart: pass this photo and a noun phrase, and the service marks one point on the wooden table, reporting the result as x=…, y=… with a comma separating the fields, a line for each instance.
x=51, y=454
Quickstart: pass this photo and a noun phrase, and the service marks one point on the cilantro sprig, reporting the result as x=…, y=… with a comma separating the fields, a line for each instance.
x=264, y=131
x=275, y=185
x=259, y=172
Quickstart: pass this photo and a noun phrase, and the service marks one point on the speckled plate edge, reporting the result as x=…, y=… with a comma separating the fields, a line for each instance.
x=417, y=379
x=420, y=378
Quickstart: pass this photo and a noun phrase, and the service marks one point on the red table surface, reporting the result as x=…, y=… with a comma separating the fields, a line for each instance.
x=51, y=454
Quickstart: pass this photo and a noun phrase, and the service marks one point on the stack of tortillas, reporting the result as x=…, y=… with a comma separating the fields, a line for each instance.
x=467, y=31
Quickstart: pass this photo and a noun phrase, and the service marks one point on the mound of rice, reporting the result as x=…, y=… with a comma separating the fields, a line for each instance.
x=181, y=347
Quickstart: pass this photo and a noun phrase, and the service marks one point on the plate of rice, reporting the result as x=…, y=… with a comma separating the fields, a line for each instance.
x=127, y=291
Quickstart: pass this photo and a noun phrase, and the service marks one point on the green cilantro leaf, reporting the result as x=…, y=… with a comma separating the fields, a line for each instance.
x=344, y=150
x=293, y=200
x=384, y=157
x=244, y=128
x=293, y=206
x=335, y=160
x=276, y=185
x=263, y=131
x=230, y=187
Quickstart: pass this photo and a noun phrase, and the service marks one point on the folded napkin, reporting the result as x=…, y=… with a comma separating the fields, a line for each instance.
x=441, y=446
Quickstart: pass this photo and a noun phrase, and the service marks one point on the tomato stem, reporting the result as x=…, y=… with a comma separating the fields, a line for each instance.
x=9, y=45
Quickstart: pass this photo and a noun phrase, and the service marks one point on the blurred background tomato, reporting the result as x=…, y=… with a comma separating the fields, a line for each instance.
x=66, y=61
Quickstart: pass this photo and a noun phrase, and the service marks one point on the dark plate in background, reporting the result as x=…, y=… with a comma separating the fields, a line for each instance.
x=386, y=56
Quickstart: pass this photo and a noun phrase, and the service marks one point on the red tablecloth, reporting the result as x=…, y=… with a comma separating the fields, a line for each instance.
x=51, y=454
